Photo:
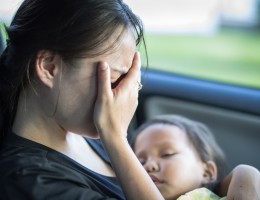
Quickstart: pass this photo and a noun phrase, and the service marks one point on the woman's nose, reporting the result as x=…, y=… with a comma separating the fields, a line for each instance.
x=151, y=165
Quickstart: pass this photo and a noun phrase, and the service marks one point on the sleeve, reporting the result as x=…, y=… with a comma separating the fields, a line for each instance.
x=26, y=184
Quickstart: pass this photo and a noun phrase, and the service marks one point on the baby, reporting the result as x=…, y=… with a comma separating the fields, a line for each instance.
x=181, y=155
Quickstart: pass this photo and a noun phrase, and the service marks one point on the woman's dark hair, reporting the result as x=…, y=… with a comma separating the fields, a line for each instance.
x=200, y=137
x=73, y=29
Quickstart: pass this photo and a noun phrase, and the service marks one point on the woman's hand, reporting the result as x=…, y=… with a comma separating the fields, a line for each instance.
x=115, y=107
x=113, y=112
x=243, y=183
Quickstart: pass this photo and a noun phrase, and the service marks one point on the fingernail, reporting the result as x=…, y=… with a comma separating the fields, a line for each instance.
x=138, y=54
x=104, y=66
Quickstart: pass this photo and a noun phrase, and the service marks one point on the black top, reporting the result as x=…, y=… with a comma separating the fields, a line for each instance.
x=29, y=170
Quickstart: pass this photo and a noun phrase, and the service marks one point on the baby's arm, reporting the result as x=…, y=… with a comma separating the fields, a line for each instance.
x=243, y=182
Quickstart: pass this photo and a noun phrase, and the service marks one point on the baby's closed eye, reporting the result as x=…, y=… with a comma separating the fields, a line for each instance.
x=168, y=154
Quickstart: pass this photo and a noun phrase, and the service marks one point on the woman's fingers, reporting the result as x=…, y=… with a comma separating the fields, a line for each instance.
x=104, y=82
x=103, y=95
x=136, y=65
x=131, y=79
x=133, y=75
x=114, y=108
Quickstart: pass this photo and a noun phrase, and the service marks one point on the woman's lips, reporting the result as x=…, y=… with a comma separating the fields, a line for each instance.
x=155, y=179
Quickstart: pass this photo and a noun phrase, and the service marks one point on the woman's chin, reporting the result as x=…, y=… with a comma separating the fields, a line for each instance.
x=90, y=132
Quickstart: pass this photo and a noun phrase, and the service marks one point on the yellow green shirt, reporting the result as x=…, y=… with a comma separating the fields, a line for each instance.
x=200, y=194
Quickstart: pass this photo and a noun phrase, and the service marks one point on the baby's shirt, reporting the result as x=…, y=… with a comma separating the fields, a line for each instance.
x=200, y=194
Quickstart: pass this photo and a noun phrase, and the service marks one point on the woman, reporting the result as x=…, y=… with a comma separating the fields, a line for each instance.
x=67, y=73
x=70, y=72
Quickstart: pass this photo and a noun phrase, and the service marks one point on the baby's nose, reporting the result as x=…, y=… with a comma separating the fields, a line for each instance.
x=151, y=165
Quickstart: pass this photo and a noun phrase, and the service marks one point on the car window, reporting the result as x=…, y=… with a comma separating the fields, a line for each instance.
x=216, y=40
x=211, y=39
x=7, y=10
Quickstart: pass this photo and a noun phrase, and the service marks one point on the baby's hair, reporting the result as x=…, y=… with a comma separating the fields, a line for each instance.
x=199, y=135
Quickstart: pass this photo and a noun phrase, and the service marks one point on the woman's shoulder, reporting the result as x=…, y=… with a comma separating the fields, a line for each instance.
x=14, y=156
x=22, y=156
x=39, y=170
x=17, y=152
x=22, y=162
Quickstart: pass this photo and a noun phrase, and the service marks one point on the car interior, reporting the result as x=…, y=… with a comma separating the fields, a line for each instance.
x=181, y=53
x=231, y=112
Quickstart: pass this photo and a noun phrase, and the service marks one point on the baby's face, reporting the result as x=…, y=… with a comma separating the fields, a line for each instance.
x=170, y=159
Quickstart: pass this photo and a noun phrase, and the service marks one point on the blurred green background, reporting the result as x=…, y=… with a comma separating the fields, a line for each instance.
x=230, y=55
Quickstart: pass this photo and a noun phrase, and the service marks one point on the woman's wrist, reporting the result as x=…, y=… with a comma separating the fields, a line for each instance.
x=128, y=169
x=112, y=134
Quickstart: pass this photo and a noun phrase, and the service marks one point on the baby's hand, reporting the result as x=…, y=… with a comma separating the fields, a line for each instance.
x=245, y=183
x=115, y=107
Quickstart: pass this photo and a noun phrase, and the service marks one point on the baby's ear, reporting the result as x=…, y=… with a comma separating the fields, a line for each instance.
x=47, y=66
x=210, y=173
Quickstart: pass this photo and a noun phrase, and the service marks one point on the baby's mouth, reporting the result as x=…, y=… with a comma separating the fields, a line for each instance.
x=155, y=180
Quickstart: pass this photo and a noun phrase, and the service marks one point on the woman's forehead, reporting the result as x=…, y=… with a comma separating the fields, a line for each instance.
x=121, y=54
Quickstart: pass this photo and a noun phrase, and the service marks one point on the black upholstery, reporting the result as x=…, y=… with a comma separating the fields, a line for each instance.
x=1, y=50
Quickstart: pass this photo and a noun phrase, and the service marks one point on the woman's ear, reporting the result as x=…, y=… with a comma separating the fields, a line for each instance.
x=47, y=67
x=210, y=173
